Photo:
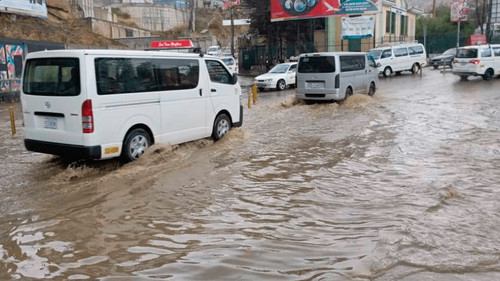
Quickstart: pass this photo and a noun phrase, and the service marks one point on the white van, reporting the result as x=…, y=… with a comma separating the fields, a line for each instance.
x=478, y=60
x=400, y=57
x=98, y=104
x=335, y=75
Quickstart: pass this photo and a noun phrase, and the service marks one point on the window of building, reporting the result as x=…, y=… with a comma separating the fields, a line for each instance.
x=390, y=22
x=404, y=25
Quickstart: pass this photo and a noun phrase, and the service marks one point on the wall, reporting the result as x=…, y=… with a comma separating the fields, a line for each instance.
x=155, y=17
x=115, y=30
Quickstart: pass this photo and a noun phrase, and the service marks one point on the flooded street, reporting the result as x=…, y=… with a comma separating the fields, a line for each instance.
x=404, y=185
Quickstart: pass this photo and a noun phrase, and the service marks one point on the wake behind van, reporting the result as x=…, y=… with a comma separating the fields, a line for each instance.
x=335, y=75
x=400, y=57
x=99, y=104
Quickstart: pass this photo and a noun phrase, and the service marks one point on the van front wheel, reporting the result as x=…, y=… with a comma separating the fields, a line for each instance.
x=387, y=72
x=221, y=127
x=135, y=144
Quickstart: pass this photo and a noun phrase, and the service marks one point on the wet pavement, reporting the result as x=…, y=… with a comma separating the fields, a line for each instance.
x=403, y=185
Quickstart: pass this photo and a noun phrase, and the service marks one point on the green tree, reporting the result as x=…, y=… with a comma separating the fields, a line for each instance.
x=441, y=24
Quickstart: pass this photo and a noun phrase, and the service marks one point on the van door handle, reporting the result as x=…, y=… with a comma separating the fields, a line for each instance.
x=201, y=93
x=213, y=90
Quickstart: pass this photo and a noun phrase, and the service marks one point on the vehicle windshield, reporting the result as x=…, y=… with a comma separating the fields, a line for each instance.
x=467, y=53
x=280, y=68
x=317, y=64
x=450, y=52
x=52, y=77
x=375, y=53
x=228, y=61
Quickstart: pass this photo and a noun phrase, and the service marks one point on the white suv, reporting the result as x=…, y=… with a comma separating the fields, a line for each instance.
x=400, y=57
x=480, y=60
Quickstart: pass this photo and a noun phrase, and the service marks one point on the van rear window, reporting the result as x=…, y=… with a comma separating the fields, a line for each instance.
x=319, y=64
x=467, y=53
x=52, y=77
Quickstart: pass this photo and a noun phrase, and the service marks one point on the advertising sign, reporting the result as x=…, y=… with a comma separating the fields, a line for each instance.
x=459, y=10
x=229, y=3
x=300, y=9
x=358, y=27
x=170, y=44
x=34, y=8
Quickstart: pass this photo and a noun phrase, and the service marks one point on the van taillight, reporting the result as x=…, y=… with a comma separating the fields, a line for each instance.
x=337, y=81
x=475, y=61
x=87, y=117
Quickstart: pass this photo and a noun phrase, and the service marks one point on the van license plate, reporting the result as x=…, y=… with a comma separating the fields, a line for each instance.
x=316, y=85
x=50, y=123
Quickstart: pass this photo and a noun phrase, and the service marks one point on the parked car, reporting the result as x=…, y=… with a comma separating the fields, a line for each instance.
x=399, y=57
x=279, y=77
x=231, y=63
x=445, y=58
x=214, y=51
x=477, y=60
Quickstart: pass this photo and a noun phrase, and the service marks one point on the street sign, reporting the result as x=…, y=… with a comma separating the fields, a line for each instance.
x=172, y=44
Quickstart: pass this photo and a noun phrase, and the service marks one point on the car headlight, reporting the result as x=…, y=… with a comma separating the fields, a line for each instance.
x=268, y=80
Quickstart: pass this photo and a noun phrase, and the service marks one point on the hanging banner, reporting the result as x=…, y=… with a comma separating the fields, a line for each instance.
x=358, y=27
x=34, y=8
x=229, y=3
x=459, y=10
x=301, y=9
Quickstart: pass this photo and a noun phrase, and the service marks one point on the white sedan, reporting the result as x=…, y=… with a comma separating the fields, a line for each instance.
x=279, y=77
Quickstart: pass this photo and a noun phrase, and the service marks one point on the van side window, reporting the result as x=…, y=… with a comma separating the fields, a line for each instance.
x=400, y=52
x=352, y=63
x=130, y=75
x=218, y=72
x=386, y=54
x=496, y=50
x=176, y=74
x=486, y=53
x=416, y=50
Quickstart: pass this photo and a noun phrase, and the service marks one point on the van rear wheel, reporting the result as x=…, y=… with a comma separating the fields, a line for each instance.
x=372, y=89
x=488, y=74
x=415, y=68
x=135, y=144
x=221, y=127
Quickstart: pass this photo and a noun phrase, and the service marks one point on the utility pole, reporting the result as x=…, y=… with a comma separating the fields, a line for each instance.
x=488, y=22
x=232, y=29
x=433, y=8
x=192, y=6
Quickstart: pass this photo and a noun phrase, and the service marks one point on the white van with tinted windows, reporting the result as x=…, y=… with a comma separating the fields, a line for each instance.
x=400, y=57
x=478, y=60
x=333, y=76
x=98, y=104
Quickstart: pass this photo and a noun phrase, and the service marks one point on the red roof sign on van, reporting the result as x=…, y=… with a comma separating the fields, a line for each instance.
x=171, y=44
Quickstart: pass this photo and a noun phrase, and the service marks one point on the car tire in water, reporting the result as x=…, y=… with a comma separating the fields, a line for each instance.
x=435, y=66
x=135, y=144
x=372, y=89
x=348, y=93
x=463, y=77
x=415, y=68
x=222, y=125
x=281, y=85
x=387, y=71
x=488, y=74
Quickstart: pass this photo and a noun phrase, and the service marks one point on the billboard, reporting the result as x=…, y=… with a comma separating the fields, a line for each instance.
x=358, y=27
x=301, y=9
x=34, y=8
x=459, y=10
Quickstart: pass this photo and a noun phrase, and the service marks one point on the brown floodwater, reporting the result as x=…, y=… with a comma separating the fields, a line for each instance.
x=404, y=185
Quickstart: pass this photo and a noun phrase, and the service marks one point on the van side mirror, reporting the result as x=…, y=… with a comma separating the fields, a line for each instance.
x=234, y=79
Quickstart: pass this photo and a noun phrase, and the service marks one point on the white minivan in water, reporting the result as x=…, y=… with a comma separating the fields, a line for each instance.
x=330, y=76
x=400, y=57
x=478, y=60
x=98, y=104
